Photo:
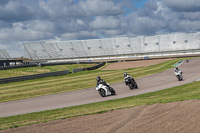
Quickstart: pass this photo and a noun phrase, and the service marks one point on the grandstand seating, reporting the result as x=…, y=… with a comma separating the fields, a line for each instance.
x=113, y=46
x=80, y=48
x=151, y=44
x=107, y=46
x=136, y=44
x=66, y=49
x=122, y=46
x=37, y=51
x=178, y=41
x=95, y=47
x=194, y=40
x=4, y=55
x=52, y=50
x=164, y=42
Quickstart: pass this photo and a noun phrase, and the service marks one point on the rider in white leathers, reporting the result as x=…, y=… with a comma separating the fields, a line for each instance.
x=178, y=73
x=177, y=70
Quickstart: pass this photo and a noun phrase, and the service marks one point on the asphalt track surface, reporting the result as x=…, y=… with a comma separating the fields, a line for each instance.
x=155, y=82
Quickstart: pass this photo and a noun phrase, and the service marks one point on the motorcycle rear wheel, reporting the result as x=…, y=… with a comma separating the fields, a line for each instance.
x=112, y=91
x=136, y=86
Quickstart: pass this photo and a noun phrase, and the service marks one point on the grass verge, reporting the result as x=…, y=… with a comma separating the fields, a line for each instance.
x=53, y=85
x=180, y=93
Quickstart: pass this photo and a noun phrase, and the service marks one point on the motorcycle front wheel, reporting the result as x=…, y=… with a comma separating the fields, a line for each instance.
x=130, y=86
x=179, y=78
x=102, y=92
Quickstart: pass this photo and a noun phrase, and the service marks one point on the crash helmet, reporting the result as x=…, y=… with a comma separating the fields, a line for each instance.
x=176, y=68
x=125, y=74
x=98, y=78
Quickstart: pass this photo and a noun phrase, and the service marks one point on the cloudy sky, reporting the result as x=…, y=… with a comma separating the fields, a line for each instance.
x=39, y=20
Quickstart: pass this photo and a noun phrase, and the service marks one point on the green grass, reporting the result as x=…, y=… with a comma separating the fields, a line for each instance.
x=53, y=85
x=38, y=70
x=180, y=93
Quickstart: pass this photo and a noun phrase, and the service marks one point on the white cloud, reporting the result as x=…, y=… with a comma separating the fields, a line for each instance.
x=113, y=33
x=79, y=35
x=38, y=20
x=22, y=32
x=183, y=5
x=104, y=22
x=100, y=7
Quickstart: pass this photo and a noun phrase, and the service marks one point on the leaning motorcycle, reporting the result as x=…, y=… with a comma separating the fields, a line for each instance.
x=105, y=90
x=179, y=75
x=131, y=83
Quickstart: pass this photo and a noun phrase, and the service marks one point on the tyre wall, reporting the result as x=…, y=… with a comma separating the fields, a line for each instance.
x=35, y=76
x=89, y=68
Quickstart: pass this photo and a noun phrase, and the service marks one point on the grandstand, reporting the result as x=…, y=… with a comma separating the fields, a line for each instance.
x=114, y=47
x=4, y=55
x=6, y=60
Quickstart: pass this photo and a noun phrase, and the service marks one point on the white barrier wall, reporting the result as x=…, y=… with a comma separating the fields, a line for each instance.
x=113, y=46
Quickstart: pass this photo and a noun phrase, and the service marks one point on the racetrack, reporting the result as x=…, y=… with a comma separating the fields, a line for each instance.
x=163, y=80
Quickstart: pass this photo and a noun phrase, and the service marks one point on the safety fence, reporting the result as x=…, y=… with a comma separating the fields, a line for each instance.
x=41, y=64
x=17, y=66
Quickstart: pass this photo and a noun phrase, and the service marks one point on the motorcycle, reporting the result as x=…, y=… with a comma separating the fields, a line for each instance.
x=179, y=75
x=105, y=90
x=131, y=83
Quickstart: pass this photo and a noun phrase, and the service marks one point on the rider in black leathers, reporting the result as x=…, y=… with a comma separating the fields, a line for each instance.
x=126, y=75
x=101, y=81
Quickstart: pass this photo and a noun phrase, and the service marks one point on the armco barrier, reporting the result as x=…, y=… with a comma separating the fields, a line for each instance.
x=30, y=77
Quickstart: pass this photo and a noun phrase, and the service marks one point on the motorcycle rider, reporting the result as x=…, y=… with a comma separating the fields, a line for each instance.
x=126, y=75
x=177, y=70
x=101, y=81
